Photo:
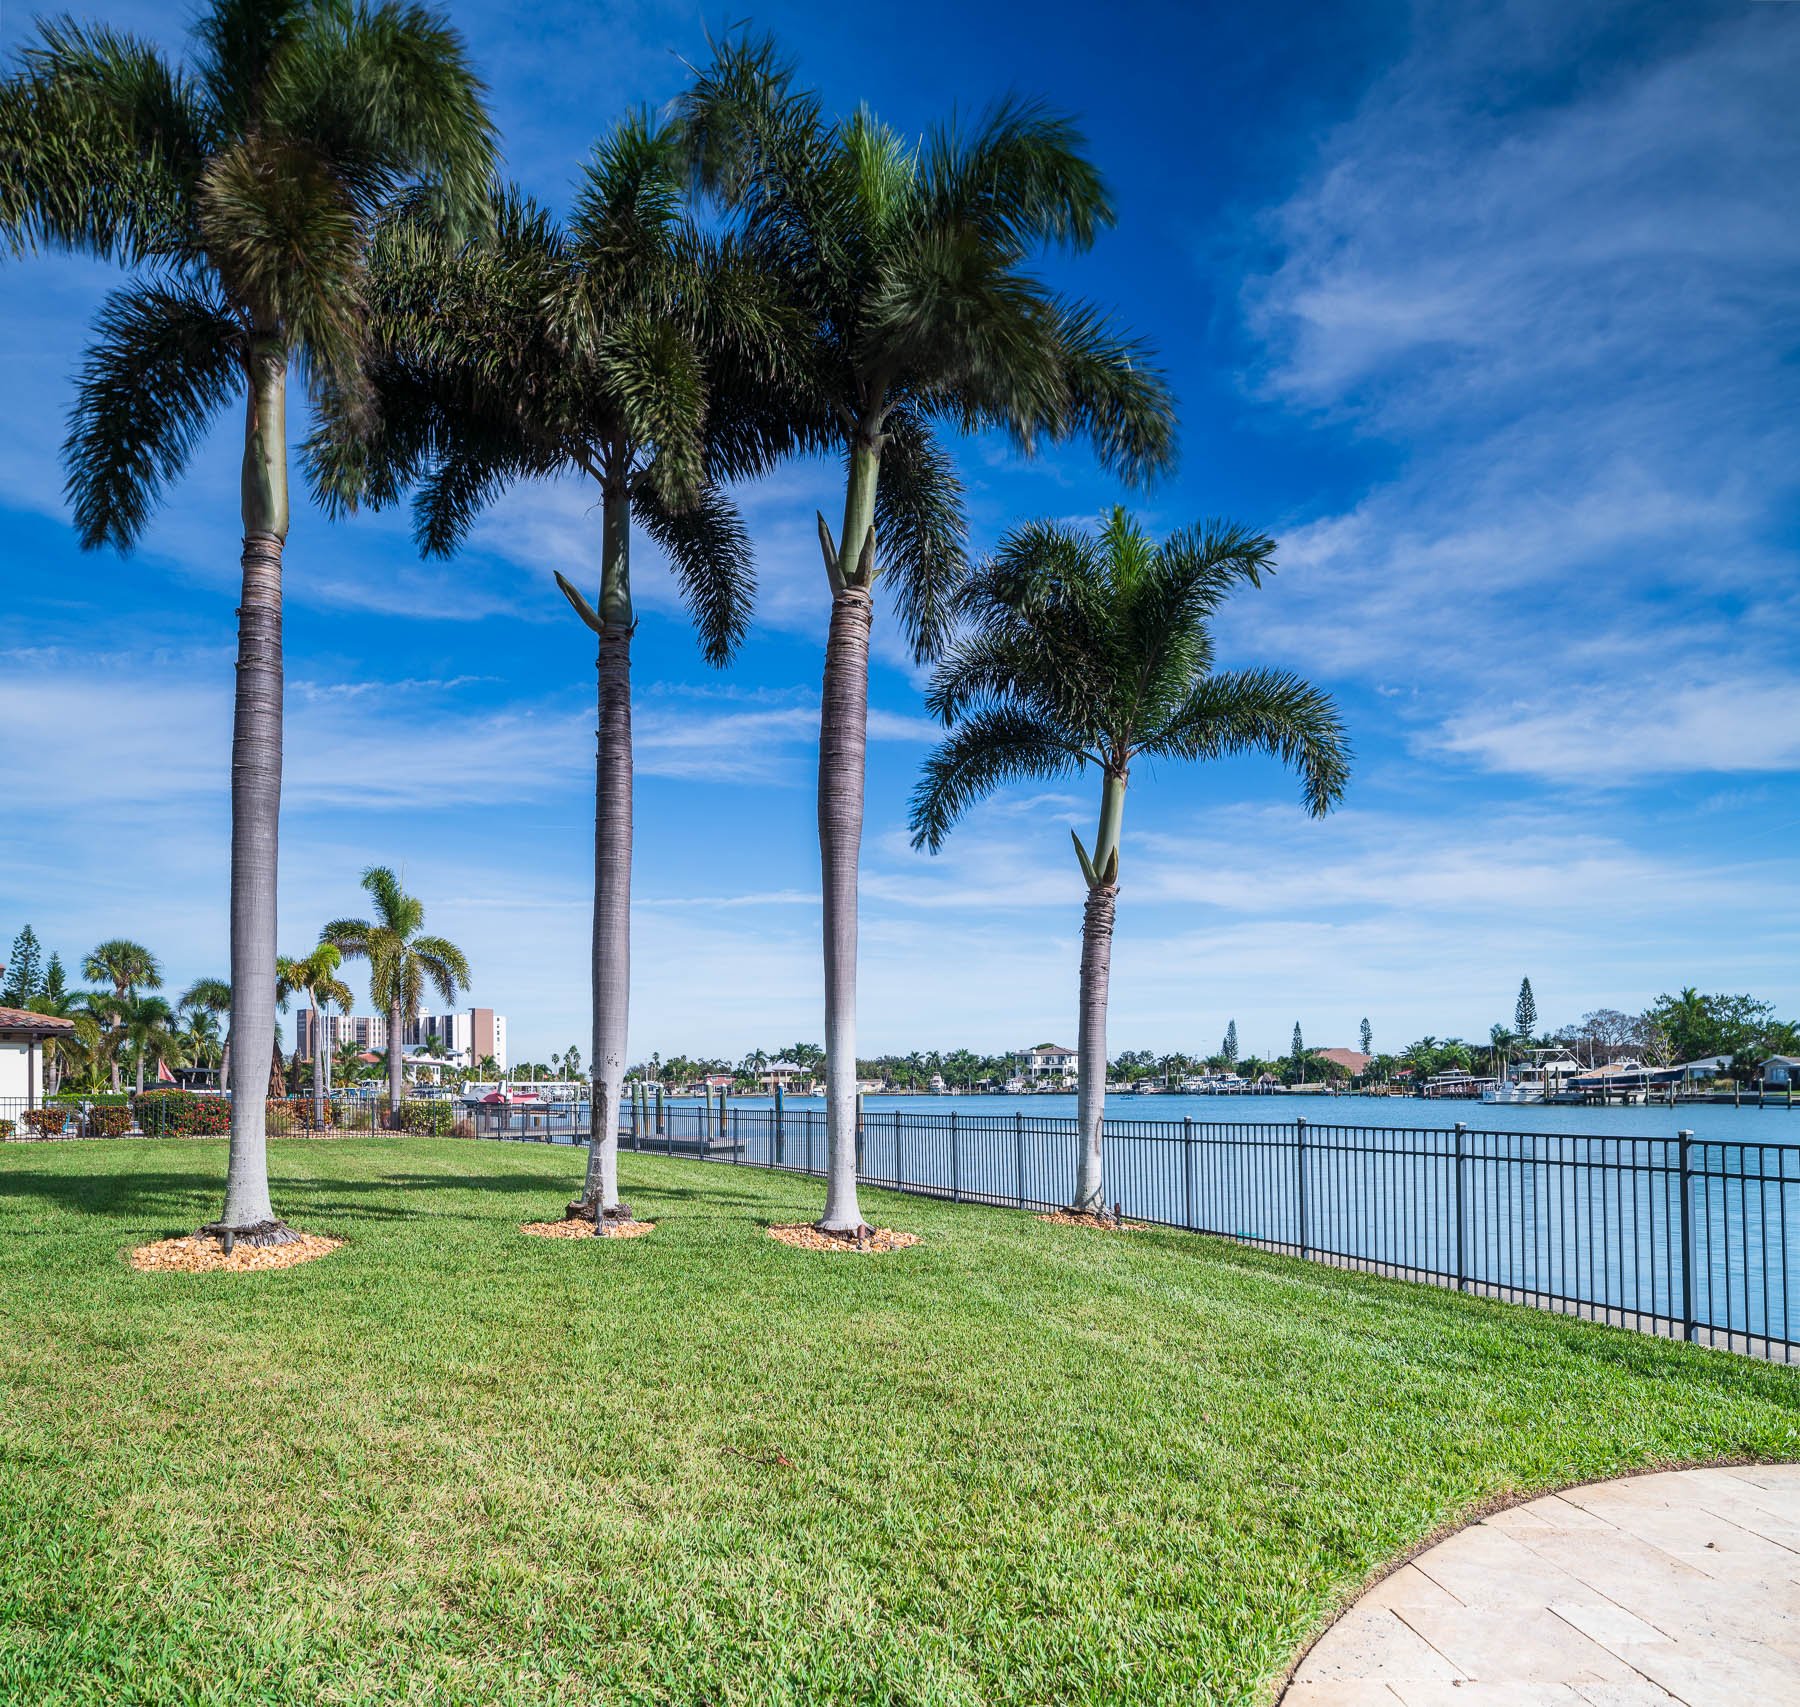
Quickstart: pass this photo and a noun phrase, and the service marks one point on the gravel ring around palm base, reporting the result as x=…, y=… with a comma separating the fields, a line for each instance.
x=804, y=1236
x=201, y=1253
x=1100, y=1223
x=574, y=1227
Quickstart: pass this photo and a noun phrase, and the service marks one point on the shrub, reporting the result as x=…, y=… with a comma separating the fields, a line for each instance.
x=433, y=1119
x=182, y=1114
x=46, y=1122
x=110, y=1122
x=7, y=1129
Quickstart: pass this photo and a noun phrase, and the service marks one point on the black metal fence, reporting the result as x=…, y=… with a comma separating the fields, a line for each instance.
x=1669, y=1235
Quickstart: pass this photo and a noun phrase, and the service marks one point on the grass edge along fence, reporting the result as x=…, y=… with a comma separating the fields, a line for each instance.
x=1668, y=1235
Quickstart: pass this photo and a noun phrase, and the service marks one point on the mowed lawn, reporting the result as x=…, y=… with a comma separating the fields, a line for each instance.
x=1017, y=1463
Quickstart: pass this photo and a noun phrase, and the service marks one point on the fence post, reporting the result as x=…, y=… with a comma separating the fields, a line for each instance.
x=1300, y=1170
x=1019, y=1157
x=659, y=1107
x=1187, y=1169
x=1462, y=1278
x=1686, y=1140
x=775, y=1148
x=955, y=1170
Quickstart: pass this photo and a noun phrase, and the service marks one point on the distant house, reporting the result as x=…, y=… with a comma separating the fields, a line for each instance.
x=1783, y=1070
x=1353, y=1061
x=1707, y=1067
x=787, y=1076
x=22, y=1037
x=1050, y=1061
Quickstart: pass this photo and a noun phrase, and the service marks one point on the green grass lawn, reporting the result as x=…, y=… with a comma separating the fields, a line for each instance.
x=1019, y=1462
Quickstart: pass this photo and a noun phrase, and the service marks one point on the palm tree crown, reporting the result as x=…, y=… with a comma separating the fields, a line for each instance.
x=402, y=960
x=1093, y=650
x=245, y=182
x=909, y=264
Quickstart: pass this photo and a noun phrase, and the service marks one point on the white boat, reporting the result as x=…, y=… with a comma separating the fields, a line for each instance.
x=1548, y=1072
x=1512, y=1091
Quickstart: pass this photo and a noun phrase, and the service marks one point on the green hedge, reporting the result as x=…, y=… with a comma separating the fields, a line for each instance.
x=434, y=1119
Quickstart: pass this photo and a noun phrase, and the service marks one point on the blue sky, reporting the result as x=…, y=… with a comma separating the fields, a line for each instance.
x=1489, y=313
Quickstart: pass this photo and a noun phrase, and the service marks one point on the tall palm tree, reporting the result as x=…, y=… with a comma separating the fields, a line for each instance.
x=401, y=962
x=315, y=977
x=128, y=967
x=910, y=265
x=618, y=351
x=242, y=185
x=212, y=997
x=1084, y=650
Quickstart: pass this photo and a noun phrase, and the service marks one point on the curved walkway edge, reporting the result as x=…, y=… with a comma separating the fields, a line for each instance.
x=1682, y=1586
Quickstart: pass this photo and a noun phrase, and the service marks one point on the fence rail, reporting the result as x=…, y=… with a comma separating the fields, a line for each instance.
x=1671, y=1235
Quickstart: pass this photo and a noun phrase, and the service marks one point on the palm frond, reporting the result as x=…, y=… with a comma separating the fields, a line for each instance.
x=164, y=362
x=443, y=963
x=1116, y=395
x=921, y=531
x=709, y=551
x=987, y=749
x=237, y=43
x=387, y=96
x=652, y=374
x=1263, y=711
x=100, y=144
x=284, y=236
x=1020, y=178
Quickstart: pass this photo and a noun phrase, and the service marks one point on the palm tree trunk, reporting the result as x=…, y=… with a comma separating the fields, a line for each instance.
x=225, y=1061
x=843, y=743
x=1090, y=1045
x=318, y=1072
x=611, y=968
x=256, y=793
x=395, y=1066
x=1096, y=976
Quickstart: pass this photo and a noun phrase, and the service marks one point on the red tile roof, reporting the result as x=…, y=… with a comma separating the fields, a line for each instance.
x=23, y=1019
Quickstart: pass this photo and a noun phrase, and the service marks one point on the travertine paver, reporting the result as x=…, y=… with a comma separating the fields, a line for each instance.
x=1682, y=1587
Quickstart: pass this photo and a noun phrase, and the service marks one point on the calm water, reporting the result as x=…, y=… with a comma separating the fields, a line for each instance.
x=1709, y=1122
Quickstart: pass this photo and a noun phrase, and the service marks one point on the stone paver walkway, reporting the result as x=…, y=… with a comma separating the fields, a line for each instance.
x=1679, y=1587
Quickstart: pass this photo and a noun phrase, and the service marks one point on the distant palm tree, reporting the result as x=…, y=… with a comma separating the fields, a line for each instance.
x=401, y=962
x=1084, y=650
x=128, y=967
x=149, y=1030
x=212, y=997
x=909, y=264
x=245, y=182
x=315, y=977
x=616, y=351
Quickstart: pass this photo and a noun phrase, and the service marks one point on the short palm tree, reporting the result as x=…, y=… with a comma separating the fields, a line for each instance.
x=910, y=267
x=128, y=967
x=618, y=351
x=314, y=976
x=242, y=186
x=402, y=961
x=148, y=1028
x=1082, y=650
x=212, y=997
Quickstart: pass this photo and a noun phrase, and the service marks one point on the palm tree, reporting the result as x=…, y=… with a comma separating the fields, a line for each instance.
x=617, y=352
x=315, y=977
x=243, y=184
x=148, y=1028
x=401, y=962
x=909, y=266
x=1085, y=650
x=128, y=967
x=212, y=997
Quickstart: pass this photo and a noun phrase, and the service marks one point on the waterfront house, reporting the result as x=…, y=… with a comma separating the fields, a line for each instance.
x=1050, y=1061
x=22, y=1038
x=1353, y=1061
x=1780, y=1071
x=788, y=1077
